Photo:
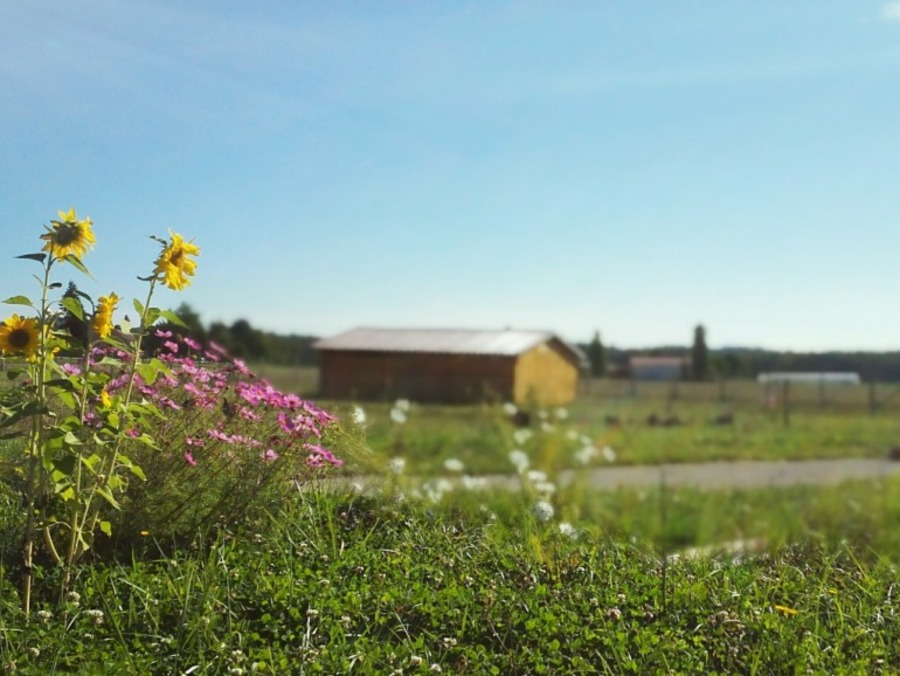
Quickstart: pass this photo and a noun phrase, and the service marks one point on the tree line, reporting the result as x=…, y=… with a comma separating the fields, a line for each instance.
x=243, y=340
x=742, y=362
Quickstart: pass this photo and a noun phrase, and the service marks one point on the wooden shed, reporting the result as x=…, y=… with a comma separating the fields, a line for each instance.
x=449, y=365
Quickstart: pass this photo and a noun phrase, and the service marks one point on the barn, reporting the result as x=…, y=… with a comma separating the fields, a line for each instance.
x=449, y=365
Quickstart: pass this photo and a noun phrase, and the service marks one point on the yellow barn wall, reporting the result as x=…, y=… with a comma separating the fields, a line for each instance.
x=545, y=377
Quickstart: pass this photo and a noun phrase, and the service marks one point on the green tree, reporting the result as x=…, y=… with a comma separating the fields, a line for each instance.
x=247, y=342
x=597, y=356
x=699, y=354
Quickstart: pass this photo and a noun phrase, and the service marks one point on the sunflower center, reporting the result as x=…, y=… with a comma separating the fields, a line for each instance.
x=176, y=256
x=19, y=339
x=66, y=234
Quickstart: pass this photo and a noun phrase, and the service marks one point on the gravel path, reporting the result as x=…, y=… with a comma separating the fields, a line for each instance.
x=724, y=475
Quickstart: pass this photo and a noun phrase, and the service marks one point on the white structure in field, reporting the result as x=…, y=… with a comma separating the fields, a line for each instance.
x=809, y=378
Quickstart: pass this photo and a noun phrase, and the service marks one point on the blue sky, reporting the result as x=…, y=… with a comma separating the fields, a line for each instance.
x=635, y=168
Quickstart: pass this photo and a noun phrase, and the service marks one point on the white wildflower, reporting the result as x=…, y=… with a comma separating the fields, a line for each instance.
x=510, y=409
x=609, y=454
x=397, y=465
x=543, y=415
x=358, y=415
x=519, y=459
x=536, y=475
x=453, y=465
x=546, y=427
x=571, y=435
x=95, y=615
x=402, y=405
x=398, y=415
x=561, y=413
x=586, y=454
x=545, y=487
x=522, y=435
x=567, y=529
x=543, y=511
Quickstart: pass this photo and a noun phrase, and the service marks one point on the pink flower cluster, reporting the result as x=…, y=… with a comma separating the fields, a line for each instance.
x=225, y=409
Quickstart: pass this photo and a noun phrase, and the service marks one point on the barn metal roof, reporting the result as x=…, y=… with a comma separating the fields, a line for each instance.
x=444, y=341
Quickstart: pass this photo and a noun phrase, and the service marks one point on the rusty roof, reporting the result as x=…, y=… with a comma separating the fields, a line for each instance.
x=510, y=342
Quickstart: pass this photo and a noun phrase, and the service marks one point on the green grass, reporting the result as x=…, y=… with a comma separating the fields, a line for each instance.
x=481, y=437
x=332, y=583
x=473, y=583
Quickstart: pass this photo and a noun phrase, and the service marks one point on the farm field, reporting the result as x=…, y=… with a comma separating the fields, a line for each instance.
x=616, y=415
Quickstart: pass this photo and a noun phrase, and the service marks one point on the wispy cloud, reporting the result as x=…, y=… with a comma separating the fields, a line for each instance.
x=890, y=11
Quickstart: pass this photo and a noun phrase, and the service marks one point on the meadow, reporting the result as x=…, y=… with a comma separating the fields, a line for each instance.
x=429, y=571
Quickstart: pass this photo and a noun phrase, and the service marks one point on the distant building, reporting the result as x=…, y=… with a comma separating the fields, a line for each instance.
x=662, y=368
x=449, y=365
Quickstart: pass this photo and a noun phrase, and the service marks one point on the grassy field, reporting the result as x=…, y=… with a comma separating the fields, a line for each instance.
x=834, y=423
x=330, y=583
x=428, y=576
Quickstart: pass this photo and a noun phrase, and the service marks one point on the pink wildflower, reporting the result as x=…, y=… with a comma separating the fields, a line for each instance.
x=190, y=459
x=269, y=455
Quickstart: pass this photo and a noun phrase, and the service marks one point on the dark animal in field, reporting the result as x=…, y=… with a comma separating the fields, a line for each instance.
x=612, y=420
x=723, y=419
x=521, y=418
x=653, y=420
x=894, y=454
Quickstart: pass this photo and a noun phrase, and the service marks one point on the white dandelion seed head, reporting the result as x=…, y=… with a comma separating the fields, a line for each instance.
x=521, y=436
x=586, y=454
x=545, y=488
x=398, y=415
x=358, y=415
x=543, y=511
x=453, y=465
x=519, y=459
x=397, y=465
x=567, y=529
x=536, y=475
x=402, y=404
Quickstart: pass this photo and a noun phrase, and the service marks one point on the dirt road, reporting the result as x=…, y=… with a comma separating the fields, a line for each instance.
x=724, y=475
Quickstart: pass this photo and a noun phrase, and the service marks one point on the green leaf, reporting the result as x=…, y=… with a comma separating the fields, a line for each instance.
x=73, y=306
x=137, y=471
x=62, y=384
x=39, y=257
x=72, y=440
x=19, y=300
x=91, y=462
x=108, y=496
x=106, y=527
x=65, y=464
x=139, y=307
x=173, y=318
x=76, y=262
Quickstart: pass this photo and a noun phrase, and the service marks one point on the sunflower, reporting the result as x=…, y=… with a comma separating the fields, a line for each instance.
x=69, y=236
x=175, y=264
x=102, y=322
x=19, y=336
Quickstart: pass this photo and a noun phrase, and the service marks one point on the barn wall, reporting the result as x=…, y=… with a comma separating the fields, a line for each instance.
x=544, y=375
x=422, y=377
